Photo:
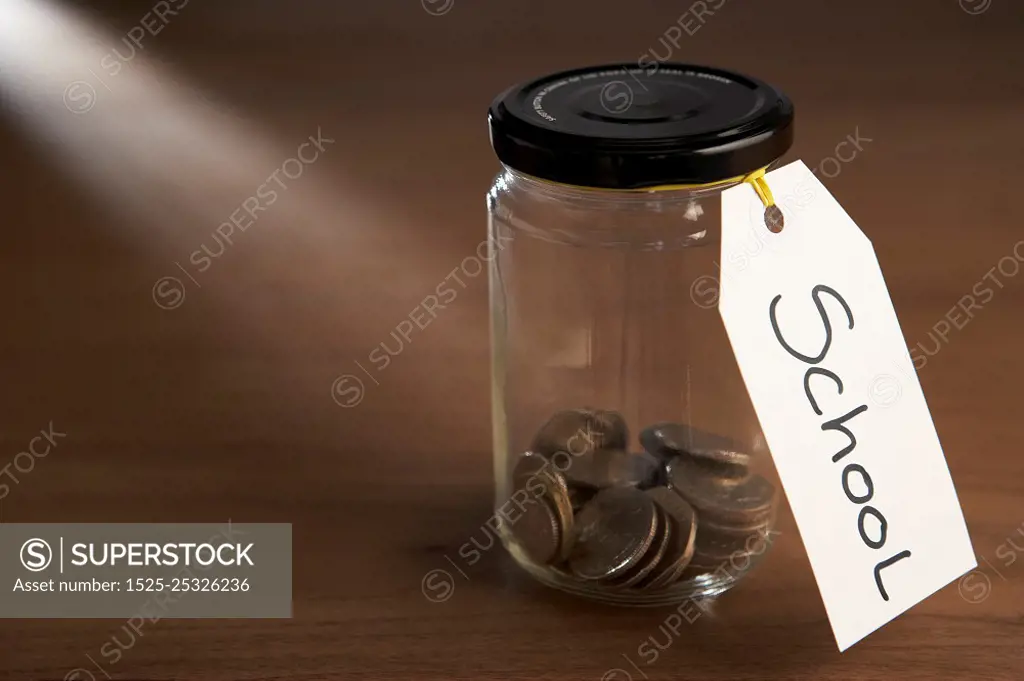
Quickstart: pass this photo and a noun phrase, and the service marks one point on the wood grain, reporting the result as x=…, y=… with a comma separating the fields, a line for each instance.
x=222, y=407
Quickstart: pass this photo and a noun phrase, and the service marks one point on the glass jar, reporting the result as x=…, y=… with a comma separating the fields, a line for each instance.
x=629, y=464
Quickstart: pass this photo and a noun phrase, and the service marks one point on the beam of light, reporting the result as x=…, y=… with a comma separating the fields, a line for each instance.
x=173, y=162
x=135, y=135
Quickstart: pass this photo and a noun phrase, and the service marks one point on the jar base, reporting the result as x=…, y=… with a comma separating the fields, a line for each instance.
x=696, y=588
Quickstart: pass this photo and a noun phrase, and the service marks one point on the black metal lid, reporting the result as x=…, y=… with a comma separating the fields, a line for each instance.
x=621, y=127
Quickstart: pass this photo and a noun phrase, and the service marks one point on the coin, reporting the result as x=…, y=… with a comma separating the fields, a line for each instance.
x=541, y=477
x=611, y=425
x=538, y=531
x=587, y=471
x=717, y=543
x=753, y=524
x=611, y=468
x=653, y=557
x=659, y=440
x=741, y=505
x=647, y=470
x=729, y=565
x=579, y=496
x=612, y=533
x=683, y=522
x=719, y=558
x=581, y=431
x=669, y=440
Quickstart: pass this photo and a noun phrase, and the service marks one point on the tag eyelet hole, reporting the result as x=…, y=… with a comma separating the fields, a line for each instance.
x=773, y=219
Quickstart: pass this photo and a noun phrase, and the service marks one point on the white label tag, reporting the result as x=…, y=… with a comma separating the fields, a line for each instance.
x=824, y=360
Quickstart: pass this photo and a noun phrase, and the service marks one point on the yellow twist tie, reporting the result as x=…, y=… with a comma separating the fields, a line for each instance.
x=754, y=179
x=773, y=218
x=757, y=181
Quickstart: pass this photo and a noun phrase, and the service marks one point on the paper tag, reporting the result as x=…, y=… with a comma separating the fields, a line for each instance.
x=824, y=360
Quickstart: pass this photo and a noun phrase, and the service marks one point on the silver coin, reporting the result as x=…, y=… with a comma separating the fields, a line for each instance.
x=732, y=564
x=538, y=531
x=579, y=496
x=745, y=504
x=612, y=533
x=581, y=431
x=669, y=440
x=677, y=575
x=647, y=470
x=611, y=425
x=587, y=471
x=684, y=528
x=540, y=477
x=716, y=543
x=611, y=468
x=651, y=560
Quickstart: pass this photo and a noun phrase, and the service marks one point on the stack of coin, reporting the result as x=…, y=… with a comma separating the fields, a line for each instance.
x=548, y=495
x=736, y=507
x=630, y=521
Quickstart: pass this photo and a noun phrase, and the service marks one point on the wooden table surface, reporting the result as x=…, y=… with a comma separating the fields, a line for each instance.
x=222, y=406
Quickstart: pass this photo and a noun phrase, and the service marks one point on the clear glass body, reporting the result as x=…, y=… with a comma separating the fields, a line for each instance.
x=606, y=344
